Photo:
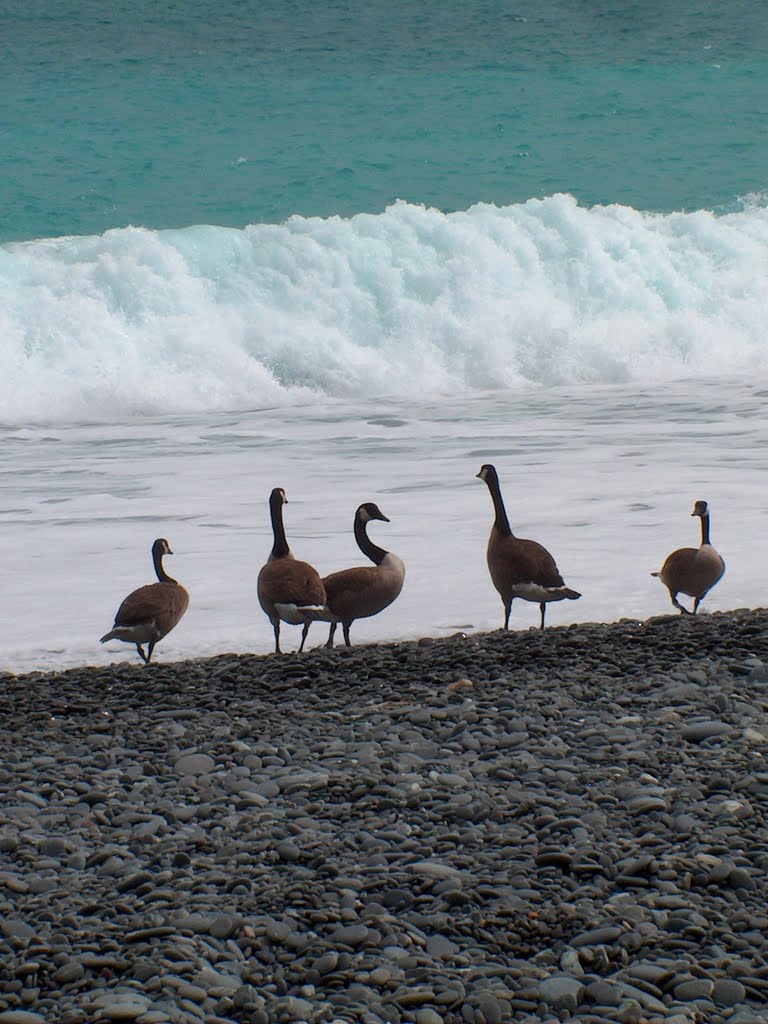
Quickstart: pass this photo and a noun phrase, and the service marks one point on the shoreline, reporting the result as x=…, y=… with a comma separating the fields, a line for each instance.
x=529, y=826
x=614, y=630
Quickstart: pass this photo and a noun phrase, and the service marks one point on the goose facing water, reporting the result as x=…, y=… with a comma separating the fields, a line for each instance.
x=289, y=590
x=365, y=590
x=693, y=571
x=518, y=567
x=150, y=613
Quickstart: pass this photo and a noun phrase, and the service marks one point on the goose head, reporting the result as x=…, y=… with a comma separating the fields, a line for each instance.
x=370, y=511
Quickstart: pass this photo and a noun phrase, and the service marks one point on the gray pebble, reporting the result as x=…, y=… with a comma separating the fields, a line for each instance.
x=728, y=992
x=349, y=836
x=194, y=764
x=695, y=732
x=562, y=992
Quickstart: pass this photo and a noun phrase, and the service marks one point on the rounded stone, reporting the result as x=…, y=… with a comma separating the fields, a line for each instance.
x=428, y=1016
x=698, y=988
x=351, y=935
x=695, y=732
x=561, y=992
x=728, y=992
x=194, y=764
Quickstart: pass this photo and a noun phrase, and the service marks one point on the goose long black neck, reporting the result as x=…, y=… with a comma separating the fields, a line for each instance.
x=280, y=547
x=705, y=528
x=366, y=545
x=157, y=559
x=501, y=522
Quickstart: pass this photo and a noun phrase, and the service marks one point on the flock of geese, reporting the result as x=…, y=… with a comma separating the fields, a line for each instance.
x=293, y=592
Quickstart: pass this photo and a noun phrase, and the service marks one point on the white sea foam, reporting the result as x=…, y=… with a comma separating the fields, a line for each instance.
x=139, y=322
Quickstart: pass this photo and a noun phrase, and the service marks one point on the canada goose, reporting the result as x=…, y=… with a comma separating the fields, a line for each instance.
x=363, y=590
x=693, y=571
x=150, y=612
x=288, y=589
x=520, y=568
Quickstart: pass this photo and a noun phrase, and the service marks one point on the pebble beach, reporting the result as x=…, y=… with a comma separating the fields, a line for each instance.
x=532, y=826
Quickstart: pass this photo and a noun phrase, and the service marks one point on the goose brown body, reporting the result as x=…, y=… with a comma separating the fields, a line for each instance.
x=364, y=590
x=519, y=567
x=150, y=613
x=693, y=571
x=288, y=590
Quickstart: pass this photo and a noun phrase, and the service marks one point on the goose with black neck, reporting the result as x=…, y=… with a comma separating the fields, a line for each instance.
x=150, y=613
x=289, y=590
x=365, y=590
x=693, y=571
x=519, y=567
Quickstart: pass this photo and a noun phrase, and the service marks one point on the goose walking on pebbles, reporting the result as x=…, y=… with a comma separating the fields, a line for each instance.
x=364, y=590
x=520, y=568
x=288, y=590
x=693, y=571
x=151, y=612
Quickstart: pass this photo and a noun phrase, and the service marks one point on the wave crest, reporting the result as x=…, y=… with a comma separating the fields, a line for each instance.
x=405, y=301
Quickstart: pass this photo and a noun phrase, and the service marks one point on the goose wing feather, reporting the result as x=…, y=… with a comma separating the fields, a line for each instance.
x=514, y=560
x=361, y=591
x=692, y=571
x=289, y=581
x=164, y=603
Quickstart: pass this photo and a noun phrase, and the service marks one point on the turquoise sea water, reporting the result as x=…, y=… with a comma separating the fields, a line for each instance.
x=232, y=113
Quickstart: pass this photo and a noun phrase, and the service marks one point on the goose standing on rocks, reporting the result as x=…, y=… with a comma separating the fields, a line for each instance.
x=150, y=612
x=520, y=568
x=288, y=589
x=693, y=571
x=364, y=590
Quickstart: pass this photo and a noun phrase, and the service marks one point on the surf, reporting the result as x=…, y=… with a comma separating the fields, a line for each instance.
x=138, y=322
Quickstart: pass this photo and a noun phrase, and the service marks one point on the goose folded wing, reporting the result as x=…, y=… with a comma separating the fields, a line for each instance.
x=294, y=582
x=530, y=562
x=146, y=603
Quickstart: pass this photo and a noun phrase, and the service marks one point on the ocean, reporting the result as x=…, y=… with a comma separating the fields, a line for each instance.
x=357, y=253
